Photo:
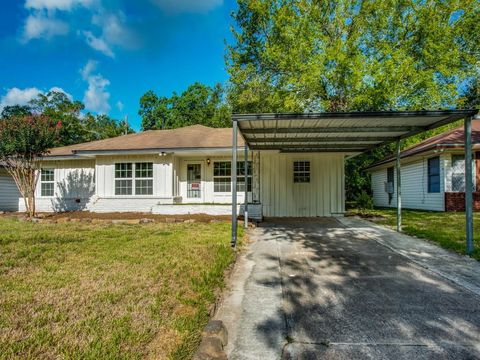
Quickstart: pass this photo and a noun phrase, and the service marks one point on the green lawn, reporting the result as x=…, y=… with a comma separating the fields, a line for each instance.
x=447, y=229
x=102, y=291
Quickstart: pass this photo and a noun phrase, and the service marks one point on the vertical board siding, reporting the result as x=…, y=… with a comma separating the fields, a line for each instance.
x=281, y=197
x=415, y=195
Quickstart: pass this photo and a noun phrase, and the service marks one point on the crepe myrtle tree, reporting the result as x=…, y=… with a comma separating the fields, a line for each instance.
x=23, y=142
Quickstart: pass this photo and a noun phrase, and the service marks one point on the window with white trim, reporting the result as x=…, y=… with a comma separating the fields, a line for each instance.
x=301, y=172
x=134, y=178
x=47, y=182
x=222, y=176
x=241, y=176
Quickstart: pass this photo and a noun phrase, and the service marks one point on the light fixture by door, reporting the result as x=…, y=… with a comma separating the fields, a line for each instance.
x=208, y=161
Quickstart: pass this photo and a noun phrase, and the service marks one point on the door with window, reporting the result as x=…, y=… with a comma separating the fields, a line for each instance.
x=194, y=182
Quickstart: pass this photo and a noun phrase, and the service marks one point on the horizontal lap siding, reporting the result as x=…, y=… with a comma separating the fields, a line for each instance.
x=323, y=196
x=414, y=184
x=9, y=194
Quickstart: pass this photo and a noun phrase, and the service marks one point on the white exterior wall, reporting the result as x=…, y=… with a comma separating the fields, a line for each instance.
x=74, y=187
x=323, y=196
x=207, y=186
x=414, y=177
x=105, y=199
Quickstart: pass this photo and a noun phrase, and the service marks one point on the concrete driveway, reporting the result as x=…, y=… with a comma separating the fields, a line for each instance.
x=334, y=289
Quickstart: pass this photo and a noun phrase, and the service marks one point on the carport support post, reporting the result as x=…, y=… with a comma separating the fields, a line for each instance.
x=234, y=185
x=245, y=212
x=468, y=185
x=399, y=188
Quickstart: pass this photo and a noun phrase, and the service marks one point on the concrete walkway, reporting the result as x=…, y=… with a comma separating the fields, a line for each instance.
x=348, y=289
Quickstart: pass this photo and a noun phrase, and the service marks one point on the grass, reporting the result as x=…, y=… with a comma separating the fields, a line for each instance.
x=98, y=291
x=447, y=229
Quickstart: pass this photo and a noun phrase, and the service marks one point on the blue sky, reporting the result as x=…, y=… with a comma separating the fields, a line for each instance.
x=107, y=53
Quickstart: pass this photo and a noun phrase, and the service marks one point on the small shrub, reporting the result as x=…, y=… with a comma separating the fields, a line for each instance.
x=364, y=201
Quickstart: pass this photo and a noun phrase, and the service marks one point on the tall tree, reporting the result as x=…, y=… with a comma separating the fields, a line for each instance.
x=23, y=141
x=58, y=106
x=76, y=127
x=300, y=55
x=352, y=55
x=16, y=110
x=198, y=104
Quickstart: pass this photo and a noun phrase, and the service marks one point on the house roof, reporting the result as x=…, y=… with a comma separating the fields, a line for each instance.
x=189, y=137
x=347, y=132
x=453, y=139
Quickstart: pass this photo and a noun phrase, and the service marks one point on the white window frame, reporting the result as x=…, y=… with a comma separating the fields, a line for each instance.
x=248, y=176
x=47, y=182
x=133, y=178
x=302, y=171
x=222, y=177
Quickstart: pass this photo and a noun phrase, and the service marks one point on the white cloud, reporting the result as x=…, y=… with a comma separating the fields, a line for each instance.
x=119, y=106
x=96, y=96
x=114, y=31
x=41, y=25
x=16, y=96
x=191, y=6
x=64, y=5
x=98, y=44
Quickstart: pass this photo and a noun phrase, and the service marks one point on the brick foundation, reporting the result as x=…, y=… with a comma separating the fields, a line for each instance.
x=455, y=201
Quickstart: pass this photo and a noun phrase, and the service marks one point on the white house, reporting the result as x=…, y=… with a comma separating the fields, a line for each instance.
x=186, y=170
x=432, y=174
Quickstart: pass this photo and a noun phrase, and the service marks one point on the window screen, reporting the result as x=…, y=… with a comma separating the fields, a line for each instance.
x=301, y=172
x=458, y=173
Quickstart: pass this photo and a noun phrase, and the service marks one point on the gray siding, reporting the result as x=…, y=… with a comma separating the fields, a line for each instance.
x=9, y=195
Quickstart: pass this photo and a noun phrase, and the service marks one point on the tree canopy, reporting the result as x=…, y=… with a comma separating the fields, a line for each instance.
x=198, y=104
x=23, y=141
x=76, y=127
x=303, y=55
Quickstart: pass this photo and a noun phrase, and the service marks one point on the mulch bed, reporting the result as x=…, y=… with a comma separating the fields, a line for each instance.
x=86, y=215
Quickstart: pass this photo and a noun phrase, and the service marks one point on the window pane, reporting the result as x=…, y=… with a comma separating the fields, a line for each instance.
x=434, y=175
x=222, y=184
x=222, y=168
x=301, y=171
x=47, y=175
x=47, y=189
x=241, y=183
x=458, y=182
x=123, y=187
x=144, y=170
x=123, y=170
x=143, y=187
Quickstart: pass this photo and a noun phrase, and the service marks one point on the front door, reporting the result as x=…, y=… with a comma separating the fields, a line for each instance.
x=194, y=181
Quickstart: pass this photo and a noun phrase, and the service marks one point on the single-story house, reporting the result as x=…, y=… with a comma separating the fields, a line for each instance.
x=185, y=170
x=432, y=174
x=295, y=165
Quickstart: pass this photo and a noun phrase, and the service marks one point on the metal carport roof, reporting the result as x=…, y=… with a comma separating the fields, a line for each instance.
x=346, y=132
x=350, y=132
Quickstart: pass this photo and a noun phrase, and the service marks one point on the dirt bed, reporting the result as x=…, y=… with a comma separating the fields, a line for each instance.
x=84, y=215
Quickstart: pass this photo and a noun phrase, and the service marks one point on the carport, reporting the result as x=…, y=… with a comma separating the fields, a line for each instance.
x=350, y=133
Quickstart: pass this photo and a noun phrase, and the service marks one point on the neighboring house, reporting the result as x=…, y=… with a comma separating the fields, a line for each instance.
x=185, y=170
x=432, y=174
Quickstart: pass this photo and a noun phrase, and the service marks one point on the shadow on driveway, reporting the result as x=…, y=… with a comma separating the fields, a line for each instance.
x=315, y=289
